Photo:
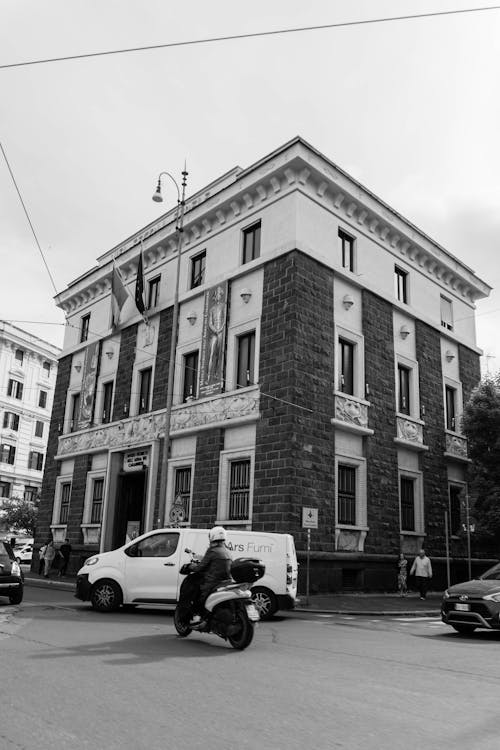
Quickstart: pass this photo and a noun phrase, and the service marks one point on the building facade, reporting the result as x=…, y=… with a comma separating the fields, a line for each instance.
x=28, y=369
x=325, y=349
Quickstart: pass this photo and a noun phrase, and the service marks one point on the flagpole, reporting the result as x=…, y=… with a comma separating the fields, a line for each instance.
x=173, y=341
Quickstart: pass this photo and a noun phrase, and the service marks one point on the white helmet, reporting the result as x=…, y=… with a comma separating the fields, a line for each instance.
x=217, y=534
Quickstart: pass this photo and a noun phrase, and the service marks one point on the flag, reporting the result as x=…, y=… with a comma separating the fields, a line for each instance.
x=139, y=287
x=118, y=296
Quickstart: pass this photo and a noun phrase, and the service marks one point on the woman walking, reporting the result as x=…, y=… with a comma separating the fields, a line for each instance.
x=402, y=575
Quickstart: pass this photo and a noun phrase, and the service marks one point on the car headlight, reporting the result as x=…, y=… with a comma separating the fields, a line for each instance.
x=92, y=560
x=492, y=597
x=16, y=569
x=446, y=594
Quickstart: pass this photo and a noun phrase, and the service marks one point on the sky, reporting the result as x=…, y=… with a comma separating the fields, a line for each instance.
x=409, y=108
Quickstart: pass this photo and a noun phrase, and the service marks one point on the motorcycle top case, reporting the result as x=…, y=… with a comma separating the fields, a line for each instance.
x=247, y=570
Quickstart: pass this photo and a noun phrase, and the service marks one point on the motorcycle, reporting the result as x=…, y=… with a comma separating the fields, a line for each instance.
x=228, y=611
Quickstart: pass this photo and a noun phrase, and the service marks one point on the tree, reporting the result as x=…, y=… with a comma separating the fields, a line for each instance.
x=21, y=515
x=481, y=425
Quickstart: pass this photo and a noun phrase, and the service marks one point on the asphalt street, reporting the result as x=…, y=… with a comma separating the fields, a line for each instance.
x=74, y=678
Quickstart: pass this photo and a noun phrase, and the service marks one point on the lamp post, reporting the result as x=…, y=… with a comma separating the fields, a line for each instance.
x=157, y=197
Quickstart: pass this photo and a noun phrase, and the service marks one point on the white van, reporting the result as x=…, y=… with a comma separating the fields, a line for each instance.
x=146, y=570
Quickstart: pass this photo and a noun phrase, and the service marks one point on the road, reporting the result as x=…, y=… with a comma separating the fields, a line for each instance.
x=74, y=678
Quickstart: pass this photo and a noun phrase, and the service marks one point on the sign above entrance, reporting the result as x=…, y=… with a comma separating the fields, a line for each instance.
x=135, y=460
x=309, y=518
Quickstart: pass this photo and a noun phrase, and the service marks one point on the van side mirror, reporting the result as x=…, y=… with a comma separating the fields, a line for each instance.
x=189, y=551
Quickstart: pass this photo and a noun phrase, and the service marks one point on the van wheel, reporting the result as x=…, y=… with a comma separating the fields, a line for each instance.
x=265, y=601
x=106, y=596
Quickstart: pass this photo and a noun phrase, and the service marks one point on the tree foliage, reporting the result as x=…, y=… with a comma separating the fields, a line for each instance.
x=481, y=425
x=20, y=515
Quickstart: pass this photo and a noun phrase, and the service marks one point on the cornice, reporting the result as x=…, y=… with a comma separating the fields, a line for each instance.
x=296, y=167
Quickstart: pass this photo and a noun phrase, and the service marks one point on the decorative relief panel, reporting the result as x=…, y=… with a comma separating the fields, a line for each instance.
x=147, y=427
x=348, y=409
x=409, y=430
x=456, y=445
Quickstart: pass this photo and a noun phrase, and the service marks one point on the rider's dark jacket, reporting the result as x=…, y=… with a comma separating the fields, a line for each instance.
x=216, y=568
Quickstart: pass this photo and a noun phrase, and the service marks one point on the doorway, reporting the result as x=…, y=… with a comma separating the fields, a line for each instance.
x=129, y=514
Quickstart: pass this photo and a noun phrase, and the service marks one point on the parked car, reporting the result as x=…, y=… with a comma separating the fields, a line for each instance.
x=473, y=604
x=11, y=575
x=23, y=553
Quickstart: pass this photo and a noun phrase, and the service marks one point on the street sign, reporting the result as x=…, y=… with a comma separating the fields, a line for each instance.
x=309, y=518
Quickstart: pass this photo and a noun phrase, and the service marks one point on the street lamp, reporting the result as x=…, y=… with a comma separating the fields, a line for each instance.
x=157, y=197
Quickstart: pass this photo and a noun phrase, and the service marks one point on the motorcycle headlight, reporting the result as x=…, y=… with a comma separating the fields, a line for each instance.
x=92, y=560
x=492, y=597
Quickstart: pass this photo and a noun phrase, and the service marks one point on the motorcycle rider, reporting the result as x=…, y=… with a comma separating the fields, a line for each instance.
x=215, y=566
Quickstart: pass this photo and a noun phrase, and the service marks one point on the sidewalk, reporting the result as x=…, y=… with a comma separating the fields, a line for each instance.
x=374, y=605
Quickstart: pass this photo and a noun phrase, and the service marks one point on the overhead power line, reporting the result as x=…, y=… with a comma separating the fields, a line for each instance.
x=252, y=35
x=28, y=216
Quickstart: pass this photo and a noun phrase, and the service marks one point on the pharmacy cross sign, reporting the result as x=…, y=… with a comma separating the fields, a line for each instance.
x=309, y=518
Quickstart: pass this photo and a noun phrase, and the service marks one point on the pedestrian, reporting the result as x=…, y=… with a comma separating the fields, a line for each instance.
x=402, y=575
x=65, y=550
x=422, y=569
x=48, y=558
x=41, y=564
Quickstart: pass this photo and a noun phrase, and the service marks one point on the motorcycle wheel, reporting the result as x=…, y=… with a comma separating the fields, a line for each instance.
x=181, y=625
x=244, y=631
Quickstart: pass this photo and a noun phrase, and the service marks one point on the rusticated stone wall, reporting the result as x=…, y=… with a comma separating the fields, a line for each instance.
x=123, y=383
x=206, y=478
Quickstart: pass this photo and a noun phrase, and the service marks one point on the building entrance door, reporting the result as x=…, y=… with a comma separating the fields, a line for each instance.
x=129, y=516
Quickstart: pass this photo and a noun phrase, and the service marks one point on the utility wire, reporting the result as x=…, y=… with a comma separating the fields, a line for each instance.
x=253, y=35
x=27, y=216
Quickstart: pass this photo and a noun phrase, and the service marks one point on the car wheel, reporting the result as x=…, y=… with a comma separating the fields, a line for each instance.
x=17, y=597
x=265, y=601
x=106, y=596
x=464, y=629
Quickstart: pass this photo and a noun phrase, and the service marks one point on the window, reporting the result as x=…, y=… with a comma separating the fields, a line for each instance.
x=450, y=408
x=35, y=461
x=403, y=389
x=75, y=412
x=153, y=292
x=190, y=389
x=245, y=372
x=19, y=356
x=156, y=545
x=347, y=248
x=7, y=454
x=15, y=389
x=107, y=402
x=239, y=490
x=84, y=327
x=65, y=490
x=38, y=429
x=407, y=500
x=455, y=502
x=46, y=369
x=30, y=494
x=97, y=496
x=346, y=477
x=346, y=366
x=401, y=284
x=11, y=421
x=251, y=243
x=198, y=269
x=182, y=492
x=446, y=314
x=144, y=390
x=4, y=489
x=42, y=399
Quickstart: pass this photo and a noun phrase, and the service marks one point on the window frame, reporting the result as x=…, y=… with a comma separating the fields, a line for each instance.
x=144, y=408
x=227, y=458
x=15, y=389
x=184, y=462
x=11, y=421
x=9, y=451
x=450, y=407
x=84, y=327
x=19, y=360
x=46, y=368
x=344, y=344
x=43, y=398
x=38, y=461
x=253, y=230
x=404, y=393
x=188, y=369
x=198, y=279
x=74, y=411
x=358, y=342
x=251, y=336
x=418, y=499
x=104, y=404
x=61, y=480
x=462, y=488
x=446, y=311
x=153, y=292
x=359, y=464
x=401, y=285
x=347, y=249
x=39, y=428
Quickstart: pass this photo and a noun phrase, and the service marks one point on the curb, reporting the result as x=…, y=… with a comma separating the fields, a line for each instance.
x=49, y=584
